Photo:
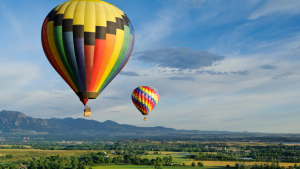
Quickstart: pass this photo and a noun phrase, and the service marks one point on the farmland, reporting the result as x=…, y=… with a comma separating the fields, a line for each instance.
x=24, y=154
x=146, y=167
x=142, y=153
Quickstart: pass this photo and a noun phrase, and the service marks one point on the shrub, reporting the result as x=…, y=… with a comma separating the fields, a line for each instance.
x=200, y=164
x=9, y=156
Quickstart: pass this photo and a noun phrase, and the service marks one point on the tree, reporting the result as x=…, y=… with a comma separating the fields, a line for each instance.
x=146, y=161
x=60, y=166
x=165, y=159
x=33, y=165
x=158, y=164
x=200, y=164
x=81, y=166
x=75, y=163
x=193, y=164
x=14, y=166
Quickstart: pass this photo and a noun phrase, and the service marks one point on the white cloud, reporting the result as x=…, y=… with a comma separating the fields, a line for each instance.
x=276, y=7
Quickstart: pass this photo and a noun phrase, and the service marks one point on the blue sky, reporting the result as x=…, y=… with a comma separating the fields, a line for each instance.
x=218, y=65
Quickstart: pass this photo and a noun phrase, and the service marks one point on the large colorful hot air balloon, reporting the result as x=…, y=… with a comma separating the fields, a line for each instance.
x=145, y=98
x=88, y=42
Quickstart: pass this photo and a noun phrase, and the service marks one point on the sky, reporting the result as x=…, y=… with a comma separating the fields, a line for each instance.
x=217, y=65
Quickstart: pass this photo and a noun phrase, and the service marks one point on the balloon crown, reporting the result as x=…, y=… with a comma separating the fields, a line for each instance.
x=95, y=1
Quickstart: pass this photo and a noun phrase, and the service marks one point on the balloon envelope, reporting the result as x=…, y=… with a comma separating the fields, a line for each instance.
x=88, y=42
x=145, y=98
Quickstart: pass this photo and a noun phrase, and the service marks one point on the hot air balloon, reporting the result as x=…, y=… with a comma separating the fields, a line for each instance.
x=145, y=98
x=88, y=43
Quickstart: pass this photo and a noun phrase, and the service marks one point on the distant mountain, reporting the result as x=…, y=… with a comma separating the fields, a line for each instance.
x=17, y=122
x=13, y=121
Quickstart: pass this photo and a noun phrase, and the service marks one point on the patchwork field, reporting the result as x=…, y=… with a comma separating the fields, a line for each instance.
x=24, y=154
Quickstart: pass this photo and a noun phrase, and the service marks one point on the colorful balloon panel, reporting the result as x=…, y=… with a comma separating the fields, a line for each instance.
x=145, y=98
x=88, y=42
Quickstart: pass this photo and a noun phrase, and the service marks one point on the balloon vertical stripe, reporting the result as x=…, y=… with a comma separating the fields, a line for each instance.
x=117, y=47
x=123, y=62
x=89, y=41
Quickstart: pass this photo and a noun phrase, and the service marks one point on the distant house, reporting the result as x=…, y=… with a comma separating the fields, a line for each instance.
x=106, y=156
x=247, y=151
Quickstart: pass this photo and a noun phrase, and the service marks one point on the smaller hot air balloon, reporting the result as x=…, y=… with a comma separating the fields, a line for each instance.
x=145, y=98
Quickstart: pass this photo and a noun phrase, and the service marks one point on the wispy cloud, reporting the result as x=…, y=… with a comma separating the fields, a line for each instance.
x=17, y=74
x=112, y=98
x=129, y=73
x=211, y=72
x=163, y=24
x=244, y=72
x=285, y=75
x=276, y=7
x=268, y=67
x=182, y=78
x=189, y=3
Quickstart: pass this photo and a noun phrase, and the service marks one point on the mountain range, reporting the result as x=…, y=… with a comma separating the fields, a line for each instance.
x=18, y=123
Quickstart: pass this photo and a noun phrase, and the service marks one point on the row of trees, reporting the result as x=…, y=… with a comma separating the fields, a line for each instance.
x=58, y=162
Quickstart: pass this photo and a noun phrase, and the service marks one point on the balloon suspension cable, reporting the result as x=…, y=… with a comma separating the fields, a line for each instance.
x=84, y=100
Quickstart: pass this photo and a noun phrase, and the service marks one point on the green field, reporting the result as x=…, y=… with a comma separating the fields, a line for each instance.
x=164, y=167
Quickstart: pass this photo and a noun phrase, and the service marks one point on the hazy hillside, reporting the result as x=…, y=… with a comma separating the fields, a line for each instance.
x=12, y=121
x=18, y=123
